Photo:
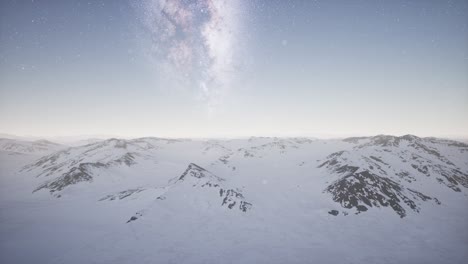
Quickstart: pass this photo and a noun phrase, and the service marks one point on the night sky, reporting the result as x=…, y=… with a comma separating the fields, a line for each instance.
x=211, y=68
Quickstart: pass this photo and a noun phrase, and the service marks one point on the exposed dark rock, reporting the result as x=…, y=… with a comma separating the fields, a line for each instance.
x=362, y=189
x=225, y=159
x=127, y=159
x=333, y=212
x=244, y=206
x=357, y=189
x=377, y=183
x=121, y=195
x=82, y=173
x=377, y=159
x=133, y=218
x=193, y=170
x=406, y=176
x=231, y=198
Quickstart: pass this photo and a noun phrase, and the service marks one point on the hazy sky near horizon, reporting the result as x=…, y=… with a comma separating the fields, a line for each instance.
x=214, y=68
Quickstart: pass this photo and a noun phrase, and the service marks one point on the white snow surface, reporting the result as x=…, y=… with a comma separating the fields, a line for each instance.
x=155, y=200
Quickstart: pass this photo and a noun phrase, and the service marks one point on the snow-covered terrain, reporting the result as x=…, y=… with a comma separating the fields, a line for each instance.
x=28, y=147
x=381, y=199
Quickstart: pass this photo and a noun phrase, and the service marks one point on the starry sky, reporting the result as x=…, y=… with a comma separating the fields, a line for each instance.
x=218, y=68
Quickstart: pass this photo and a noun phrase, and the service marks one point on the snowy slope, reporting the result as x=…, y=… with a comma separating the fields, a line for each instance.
x=29, y=147
x=256, y=200
x=396, y=172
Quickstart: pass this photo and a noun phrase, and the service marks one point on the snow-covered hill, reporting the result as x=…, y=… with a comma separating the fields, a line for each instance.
x=28, y=147
x=195, y=183
x=396, y=172
x=257, y=200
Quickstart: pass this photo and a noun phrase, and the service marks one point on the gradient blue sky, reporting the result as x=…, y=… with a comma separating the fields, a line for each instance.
x=238, y=68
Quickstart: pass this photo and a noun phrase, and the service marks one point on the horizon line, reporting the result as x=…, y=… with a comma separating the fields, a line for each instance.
x=316, y=136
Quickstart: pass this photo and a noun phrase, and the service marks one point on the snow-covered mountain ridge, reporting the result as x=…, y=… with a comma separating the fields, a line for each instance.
x=28, y=147
x=380, y=171
x=196, y=200
x=392, y=171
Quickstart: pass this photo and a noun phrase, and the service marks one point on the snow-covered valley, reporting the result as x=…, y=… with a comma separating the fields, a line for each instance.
x=382, y=199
